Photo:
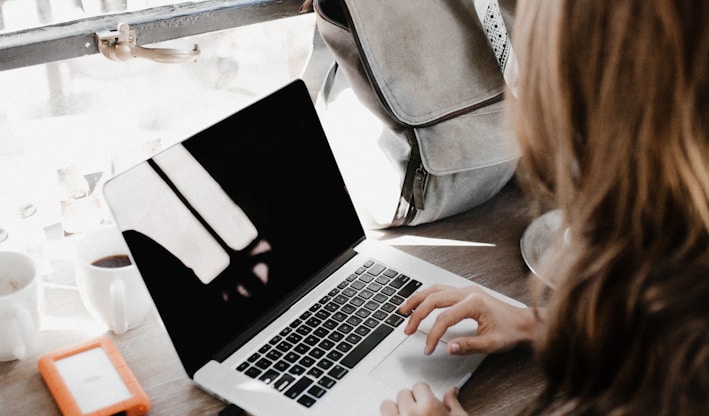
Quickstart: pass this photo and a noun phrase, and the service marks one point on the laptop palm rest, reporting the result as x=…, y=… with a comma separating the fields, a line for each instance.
x=407, y=362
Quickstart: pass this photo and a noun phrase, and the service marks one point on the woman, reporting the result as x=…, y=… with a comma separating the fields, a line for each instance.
x=613, y=117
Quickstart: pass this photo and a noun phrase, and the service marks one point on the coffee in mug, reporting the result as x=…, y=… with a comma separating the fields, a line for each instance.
x=116, y=260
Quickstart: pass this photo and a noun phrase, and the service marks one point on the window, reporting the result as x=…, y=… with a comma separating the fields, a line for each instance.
x=65, y=108
x=38, y=31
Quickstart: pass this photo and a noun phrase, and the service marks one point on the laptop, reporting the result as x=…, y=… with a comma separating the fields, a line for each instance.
x=259, y=267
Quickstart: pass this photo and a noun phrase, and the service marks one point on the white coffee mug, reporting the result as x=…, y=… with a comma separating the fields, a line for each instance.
x=110, y=284
x=19, y=306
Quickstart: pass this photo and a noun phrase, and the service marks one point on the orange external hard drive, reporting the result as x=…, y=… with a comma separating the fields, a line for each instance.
x=93, y=379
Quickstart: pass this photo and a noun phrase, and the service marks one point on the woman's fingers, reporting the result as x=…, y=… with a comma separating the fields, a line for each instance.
x=388, y=408
x=424, y=302
x=451, y=402
x=501, y=326
x=420, y=401
x=468, y=306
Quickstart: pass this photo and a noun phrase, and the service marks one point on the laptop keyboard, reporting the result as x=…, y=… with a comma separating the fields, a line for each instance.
x=317, y=349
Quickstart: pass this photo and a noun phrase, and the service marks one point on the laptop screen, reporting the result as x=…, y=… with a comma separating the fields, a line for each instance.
x=228, y=223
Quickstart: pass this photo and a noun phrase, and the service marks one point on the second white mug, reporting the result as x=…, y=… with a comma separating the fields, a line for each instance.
x=110, y=284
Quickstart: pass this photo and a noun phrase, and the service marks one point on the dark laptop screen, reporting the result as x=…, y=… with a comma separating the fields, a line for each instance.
x=274, y=162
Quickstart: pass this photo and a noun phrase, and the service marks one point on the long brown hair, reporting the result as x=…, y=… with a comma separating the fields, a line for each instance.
x=613, y=117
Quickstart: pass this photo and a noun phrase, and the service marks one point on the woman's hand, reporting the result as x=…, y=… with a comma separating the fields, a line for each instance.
x=501, y=326
x=420, y=401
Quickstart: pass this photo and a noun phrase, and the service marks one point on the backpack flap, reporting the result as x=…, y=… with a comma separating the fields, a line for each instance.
x=453, y=146
x=427, y=60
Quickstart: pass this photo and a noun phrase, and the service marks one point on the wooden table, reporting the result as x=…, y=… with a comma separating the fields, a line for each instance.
x=502, y=385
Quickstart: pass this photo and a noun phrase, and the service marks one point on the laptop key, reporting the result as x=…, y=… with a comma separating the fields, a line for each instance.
x=376, y=269
x=396, y=300
x=357, y=285
x=344, y=346
x=311, y=340
x=366, y=294
x=394, y=320
x=334, y=355
x=282, y=383
x=306, y=401
x=410, y=288
x=367, y=345
x=269, y=376
x=388, y=307
x=380, y=315
x=327, y=382
x=320, y=332
x=335, y=336
x=299, y=387
x=326, y=344
x=366, y=278
x=292, y=357
x=263, y=363
x=274, y=355
x=317, y=391
x=281, y=365
x=322, y=314
x=399, y=281
x=337, y=372
x=284, y=346
x=382, y=280
x=363, y=312
x=357, y=301
x=371, y=305
x=380, y=298
x=306, y=361
x=371, y=322
x=296, y=370
x=388, y=290
x=390, y=273
x=304, y=330
x=313, y=322
x=301, y=348
x=362, y=330
x=316, y=353
x=252, y=372
x=325, y=364
x=315, y=372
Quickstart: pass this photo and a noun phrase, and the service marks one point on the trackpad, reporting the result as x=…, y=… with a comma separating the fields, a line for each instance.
x=407, y=365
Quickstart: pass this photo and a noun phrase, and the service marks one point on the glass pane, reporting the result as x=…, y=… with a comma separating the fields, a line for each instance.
x=24, y=14
x=67, y=126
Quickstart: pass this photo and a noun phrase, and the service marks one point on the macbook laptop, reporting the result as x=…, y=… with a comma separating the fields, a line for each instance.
x=272, y=295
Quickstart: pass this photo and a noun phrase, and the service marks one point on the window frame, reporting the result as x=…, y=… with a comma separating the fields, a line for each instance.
x=77, y=38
